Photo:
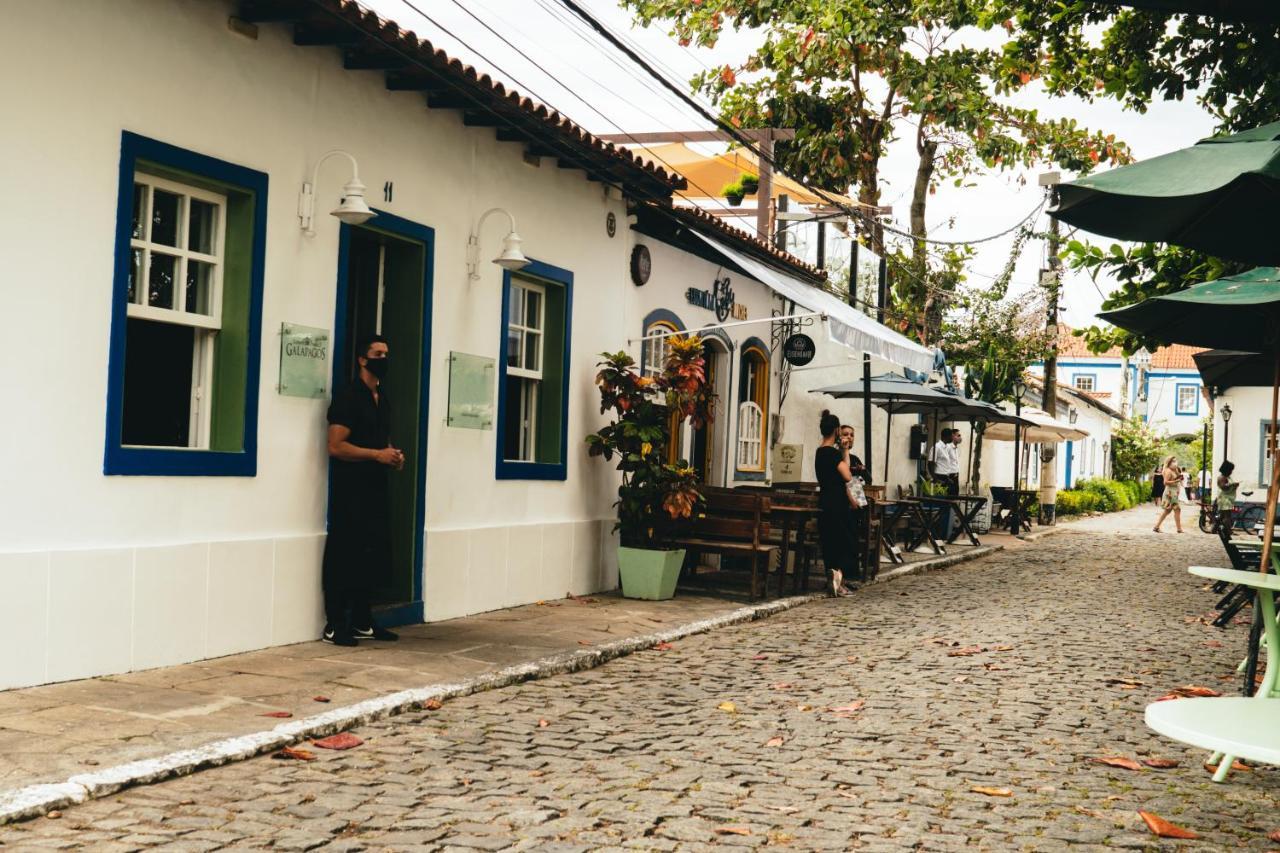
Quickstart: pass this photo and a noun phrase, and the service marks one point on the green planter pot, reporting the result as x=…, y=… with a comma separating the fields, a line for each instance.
x=649, y=574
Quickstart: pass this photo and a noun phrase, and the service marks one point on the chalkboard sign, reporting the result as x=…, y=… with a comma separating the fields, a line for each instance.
x=799, y=350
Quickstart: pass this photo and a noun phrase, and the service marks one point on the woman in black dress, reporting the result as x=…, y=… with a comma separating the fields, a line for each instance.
x=835, y=505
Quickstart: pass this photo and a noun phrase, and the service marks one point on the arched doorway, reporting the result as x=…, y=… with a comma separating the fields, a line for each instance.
x=708, y=450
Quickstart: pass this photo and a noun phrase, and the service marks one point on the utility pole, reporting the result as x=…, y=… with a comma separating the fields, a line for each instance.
x=1052, y=280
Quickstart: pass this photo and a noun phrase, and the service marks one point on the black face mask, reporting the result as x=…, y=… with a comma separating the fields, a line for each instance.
x=377, y=366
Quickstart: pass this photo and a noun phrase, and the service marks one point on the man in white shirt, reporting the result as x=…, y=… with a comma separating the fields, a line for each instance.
x=946, y=461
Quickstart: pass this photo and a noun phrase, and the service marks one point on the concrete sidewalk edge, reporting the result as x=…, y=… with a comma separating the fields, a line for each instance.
x=35, y=800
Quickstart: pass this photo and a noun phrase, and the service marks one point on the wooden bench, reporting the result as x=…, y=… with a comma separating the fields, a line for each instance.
x=730, y=523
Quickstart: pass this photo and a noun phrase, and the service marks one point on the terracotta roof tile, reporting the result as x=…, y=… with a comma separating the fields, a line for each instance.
x=703, y=221
x=1177, y=356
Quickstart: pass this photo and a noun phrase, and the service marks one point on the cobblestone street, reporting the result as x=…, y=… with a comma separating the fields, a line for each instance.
x=867, y=722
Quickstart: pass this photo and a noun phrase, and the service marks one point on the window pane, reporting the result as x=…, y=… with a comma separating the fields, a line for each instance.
x=135, y=273
x=532, y=351
x=513, y=348
x=139, y=211
x=512, y=422
x=203, y=225
x=164, y=219
x=157, y=384
x=515, y=305
x=199, y=287
x=160, y=281
x=533, y=309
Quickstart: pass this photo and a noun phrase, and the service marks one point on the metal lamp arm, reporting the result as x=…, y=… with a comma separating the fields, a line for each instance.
x=307, y=199
x=473, y=240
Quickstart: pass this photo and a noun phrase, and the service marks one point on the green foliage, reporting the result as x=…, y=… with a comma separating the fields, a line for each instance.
x=643, y=407
x=1096, y=50
x=733, y=189
x=1113, y=496
x=931, y=489
x=750, y=184
x=1075, y=502
x=1136, y=449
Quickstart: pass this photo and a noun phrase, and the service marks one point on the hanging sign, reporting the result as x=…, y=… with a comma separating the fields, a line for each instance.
x=799, y=350
x=719, y=299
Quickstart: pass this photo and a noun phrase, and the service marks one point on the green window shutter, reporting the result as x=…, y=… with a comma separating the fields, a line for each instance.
x=231, y=346
x=551, y=389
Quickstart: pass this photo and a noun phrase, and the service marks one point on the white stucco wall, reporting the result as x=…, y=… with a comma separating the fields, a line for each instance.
x=111, y=573
x=1244, y=444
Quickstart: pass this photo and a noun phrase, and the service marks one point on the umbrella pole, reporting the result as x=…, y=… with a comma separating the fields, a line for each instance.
x=1269, y=530
x=888, y=430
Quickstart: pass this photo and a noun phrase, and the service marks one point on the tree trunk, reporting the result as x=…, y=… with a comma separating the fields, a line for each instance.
x=869, y=131
x=975, y=474
x=926, y=302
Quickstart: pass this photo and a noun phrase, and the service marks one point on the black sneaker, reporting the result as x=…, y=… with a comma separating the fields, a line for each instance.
x=375, y=633
x=337, y=638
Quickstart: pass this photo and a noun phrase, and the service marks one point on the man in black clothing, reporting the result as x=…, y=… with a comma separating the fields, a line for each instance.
x=357, y=552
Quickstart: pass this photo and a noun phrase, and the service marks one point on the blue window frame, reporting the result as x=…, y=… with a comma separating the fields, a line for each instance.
x=233, y=393
x=1089, y=383
x=543, y=414
x=1192, y=394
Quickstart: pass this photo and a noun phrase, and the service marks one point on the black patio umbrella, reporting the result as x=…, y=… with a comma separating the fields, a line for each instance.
x=1226, y=368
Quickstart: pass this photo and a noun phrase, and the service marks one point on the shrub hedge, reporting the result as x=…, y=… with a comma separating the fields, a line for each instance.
x=1098, y=494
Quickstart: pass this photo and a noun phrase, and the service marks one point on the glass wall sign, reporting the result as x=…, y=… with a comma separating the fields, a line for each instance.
x=304, y=360
x=471, y=391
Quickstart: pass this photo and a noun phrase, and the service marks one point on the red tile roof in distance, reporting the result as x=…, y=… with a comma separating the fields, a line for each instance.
x=713, y=226
x=1174, y=357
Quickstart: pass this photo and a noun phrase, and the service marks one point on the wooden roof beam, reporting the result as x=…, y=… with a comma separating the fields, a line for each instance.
x=310, y=34
x=274, y=11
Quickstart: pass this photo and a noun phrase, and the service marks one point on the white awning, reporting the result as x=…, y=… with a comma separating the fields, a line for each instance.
x=1044, y=428
x=845, y=324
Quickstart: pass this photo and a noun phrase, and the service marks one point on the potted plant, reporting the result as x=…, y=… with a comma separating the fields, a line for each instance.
x=652, y=490
x=750, y=184
x=733, y=193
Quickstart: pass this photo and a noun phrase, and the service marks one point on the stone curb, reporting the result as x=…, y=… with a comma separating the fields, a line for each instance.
x=35, y=800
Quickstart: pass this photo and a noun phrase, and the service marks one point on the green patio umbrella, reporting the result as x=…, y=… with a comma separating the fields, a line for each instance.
x=1220, y=196
x=1224, y=368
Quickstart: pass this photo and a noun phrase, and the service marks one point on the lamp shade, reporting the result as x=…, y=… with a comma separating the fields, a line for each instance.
x=353, y=210
x=511, y=258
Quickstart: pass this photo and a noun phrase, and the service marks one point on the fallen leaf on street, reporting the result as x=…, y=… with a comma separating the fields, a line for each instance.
x=804, y=707
x=732, y=830
x=1212, y=644
x=1162, y=828
x=1126, y=683
x=542, y=724
x=1118, y=761
x=964, y=652
x=324, y=699
x=781, y=685
x=960, y=679
x=433, y=705
x=1235, y=765
x=290, y=753
x=584, y=643
x=774, y=741
x=1161, y=763
x=727, y=707
x=54, y=815
x=850, y=709
x=848, y=795
x=663, y=647
x=991, y=792
x=342, y=740
x=759, y=657
x=1188, y=691
x=279, y=715
x=1090, y=812
x=1274, y=836
x=1001, y=649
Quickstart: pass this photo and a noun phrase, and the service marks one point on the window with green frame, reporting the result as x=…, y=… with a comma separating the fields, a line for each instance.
x=533, y=376
x=186, y=319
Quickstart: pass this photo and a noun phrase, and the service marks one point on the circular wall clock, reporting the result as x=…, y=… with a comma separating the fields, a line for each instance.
x=641, y=264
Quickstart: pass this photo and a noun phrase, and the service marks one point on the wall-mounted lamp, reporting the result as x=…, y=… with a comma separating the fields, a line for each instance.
x=511, y=258
x=352, y=210
x=1073, y=415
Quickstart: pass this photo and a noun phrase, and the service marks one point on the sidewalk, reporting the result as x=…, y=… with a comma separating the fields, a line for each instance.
x=101, y=733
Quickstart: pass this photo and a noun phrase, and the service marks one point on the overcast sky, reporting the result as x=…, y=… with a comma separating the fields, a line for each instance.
x=573, y=70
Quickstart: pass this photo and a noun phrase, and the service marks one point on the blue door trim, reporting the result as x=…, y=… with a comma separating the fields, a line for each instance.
x=1070, y=456
x=413, y=611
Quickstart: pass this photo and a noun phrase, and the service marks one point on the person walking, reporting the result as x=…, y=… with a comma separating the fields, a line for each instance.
x=1172, y=476
x=357, y=552
x=836, y=504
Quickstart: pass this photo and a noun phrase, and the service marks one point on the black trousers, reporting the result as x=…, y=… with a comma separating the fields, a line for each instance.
x=346, y=591
x=357, y=552
x=953, y=484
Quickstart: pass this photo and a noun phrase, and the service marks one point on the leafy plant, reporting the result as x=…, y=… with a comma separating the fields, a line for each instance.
x=733, y=190
x=1136, y=448
x=643, y=407
x=931, y=489
x=750, y=184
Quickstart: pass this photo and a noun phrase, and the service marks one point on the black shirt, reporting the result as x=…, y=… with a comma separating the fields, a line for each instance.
x=833, y=495
x=370, y=423
x=857, y=469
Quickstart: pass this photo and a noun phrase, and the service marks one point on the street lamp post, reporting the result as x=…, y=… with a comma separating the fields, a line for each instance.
x=1019, y=388
x=1226, y=432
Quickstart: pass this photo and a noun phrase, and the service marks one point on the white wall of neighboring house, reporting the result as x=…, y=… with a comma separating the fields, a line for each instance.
x=1243, y=440
x=106, y=574
x=1174, y=404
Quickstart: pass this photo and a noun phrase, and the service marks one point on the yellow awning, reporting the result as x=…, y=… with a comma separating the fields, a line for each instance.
x=707, y=174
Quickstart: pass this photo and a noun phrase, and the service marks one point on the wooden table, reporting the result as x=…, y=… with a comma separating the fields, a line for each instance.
x=900, y=510
x=966, y=509
x=790, y=518
x=1028, y=508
